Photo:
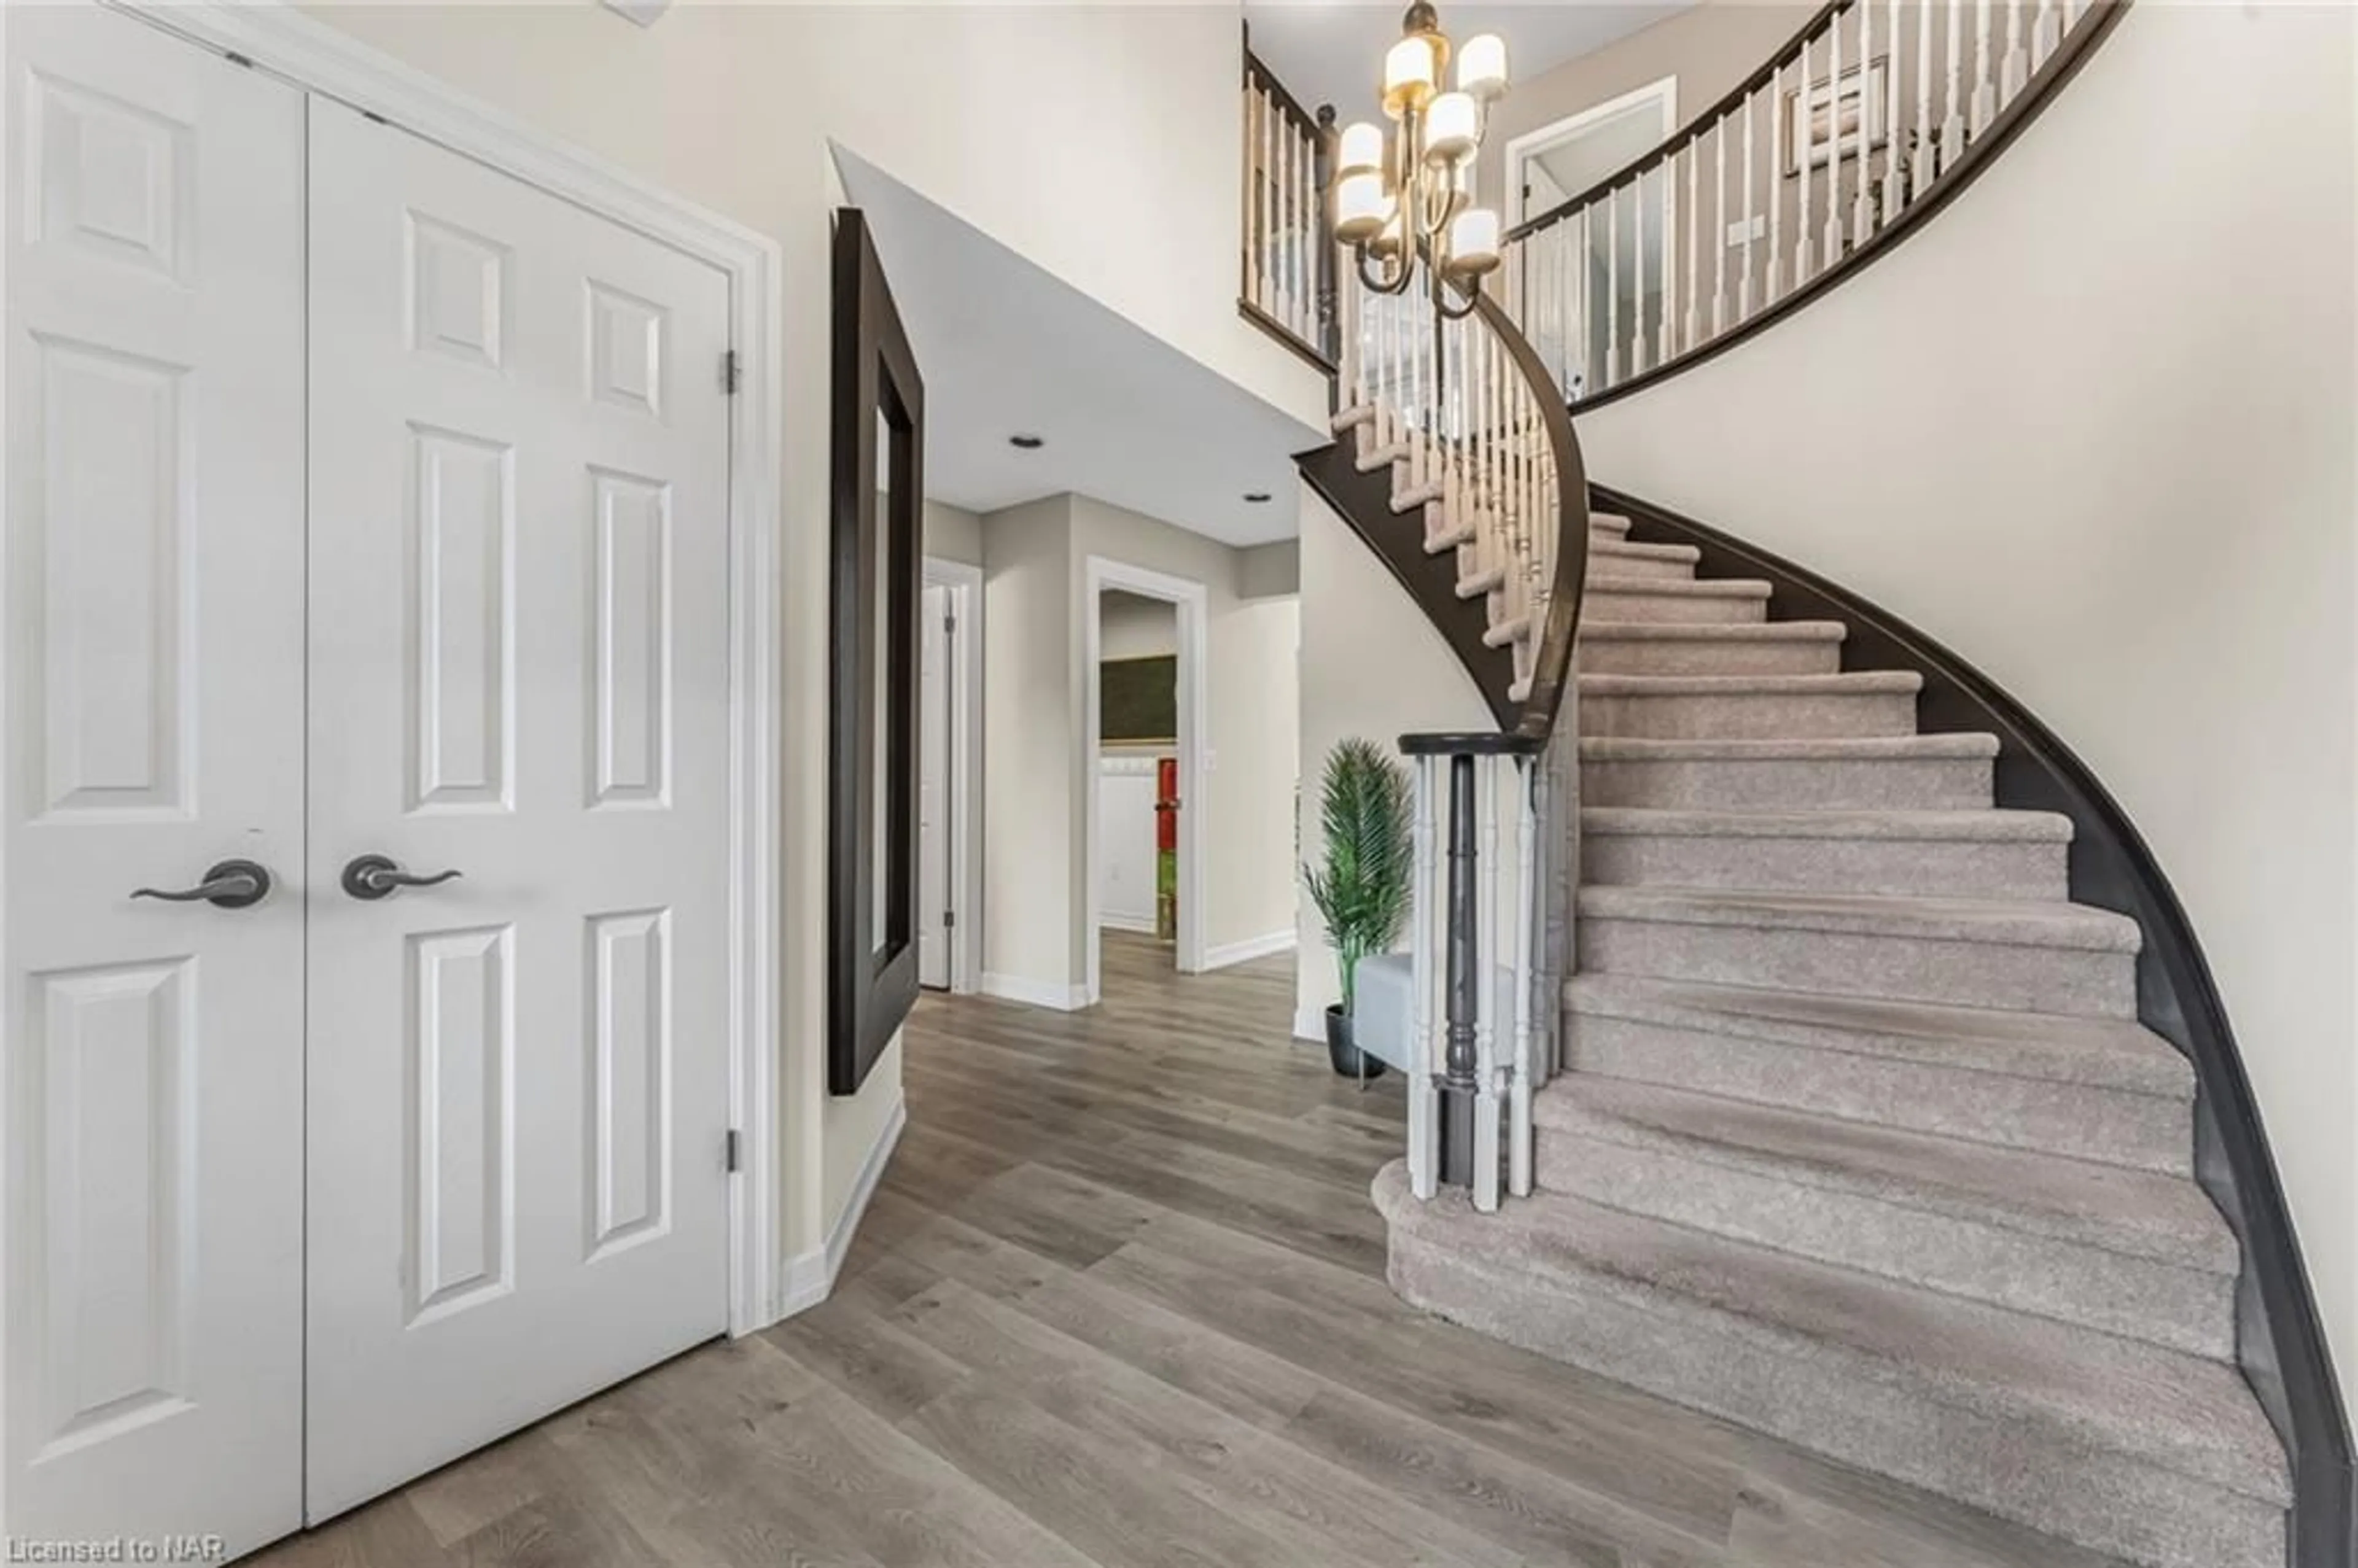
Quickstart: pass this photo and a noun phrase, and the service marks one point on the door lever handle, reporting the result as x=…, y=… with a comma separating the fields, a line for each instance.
x=230, y=884
x=372, y=877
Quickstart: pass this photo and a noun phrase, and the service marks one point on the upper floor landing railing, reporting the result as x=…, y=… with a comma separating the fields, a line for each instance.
x=1867, y=120
x=1288, y=259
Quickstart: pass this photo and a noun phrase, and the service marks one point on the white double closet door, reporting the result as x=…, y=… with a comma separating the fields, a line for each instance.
x=361, y=500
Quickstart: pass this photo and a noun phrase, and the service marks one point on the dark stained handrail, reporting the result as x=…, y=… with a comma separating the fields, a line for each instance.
x=1551, y=661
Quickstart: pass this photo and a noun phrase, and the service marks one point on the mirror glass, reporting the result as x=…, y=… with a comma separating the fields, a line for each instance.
x=879, y=798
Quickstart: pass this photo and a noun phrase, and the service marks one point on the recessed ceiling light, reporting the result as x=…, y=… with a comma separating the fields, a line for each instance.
x=1256, y=496
x=1028, y=443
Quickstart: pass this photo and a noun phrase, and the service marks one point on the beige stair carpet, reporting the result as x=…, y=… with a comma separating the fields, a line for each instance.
x=1860, y=1143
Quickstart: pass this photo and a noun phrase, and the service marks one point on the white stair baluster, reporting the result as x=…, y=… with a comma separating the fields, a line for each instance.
x=1421, y=422
x=1269, y=208
x=1833, y=240
x=1984, y=69
x=1289, y=251
x=1252, y=192
x=1583, y=285
x=1719, y=231
x=1346, y=351
x=1953, y=124
x=1666, y=330
x=2045, y=34
x=1273, y=239
x=1920, y=168
x=1773, y=284
x=2017, y=55
x=1895, y=157
x=1613, y=288
x=1640, y=349
x=1870, y=110
x=1804, y=129
x=1694, y=238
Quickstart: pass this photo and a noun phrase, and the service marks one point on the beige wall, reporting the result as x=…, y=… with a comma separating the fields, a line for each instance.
x=1130, y=627
x=1373, y=666
x=1038, y=765
x=733, y=106
x=1031, y=730
x=1270, y=570
x=953, y=534
x=1256, y=741
x=2093, y=428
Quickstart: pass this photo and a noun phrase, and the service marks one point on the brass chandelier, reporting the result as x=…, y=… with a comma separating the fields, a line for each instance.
x=1410, y=196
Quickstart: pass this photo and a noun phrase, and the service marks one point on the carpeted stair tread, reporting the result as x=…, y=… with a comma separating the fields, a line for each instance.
x=1857, y=748
x=1716, y=631
x=2007, y=921
x=1985, y=826
x=1678, y=587
x=2183, y=1413
x=2062, y=1048
x=2139, y=1213
x=1849, y=683
x=1613, y=555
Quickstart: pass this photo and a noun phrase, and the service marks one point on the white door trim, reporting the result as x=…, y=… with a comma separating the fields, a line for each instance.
x=964, y=583
x=277, y=38
x=1520, y=147
x=1191, y=599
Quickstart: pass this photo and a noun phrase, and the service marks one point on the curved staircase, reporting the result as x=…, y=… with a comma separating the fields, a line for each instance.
x=1859, y=1141
x=1848, y=1124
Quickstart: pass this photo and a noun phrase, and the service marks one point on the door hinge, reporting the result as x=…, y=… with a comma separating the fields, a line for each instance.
x=950, y=919
x=949, y=625
x=732, y=1152
x=236, y=58
x=731, y=372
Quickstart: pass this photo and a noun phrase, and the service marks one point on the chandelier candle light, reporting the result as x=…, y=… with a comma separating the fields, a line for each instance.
x=1413, y=196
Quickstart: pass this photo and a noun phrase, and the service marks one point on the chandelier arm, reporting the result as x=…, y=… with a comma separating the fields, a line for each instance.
x=1394, y=284
x=1458, y=312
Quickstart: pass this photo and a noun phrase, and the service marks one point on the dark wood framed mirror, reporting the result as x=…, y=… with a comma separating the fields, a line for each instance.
x=876, y=507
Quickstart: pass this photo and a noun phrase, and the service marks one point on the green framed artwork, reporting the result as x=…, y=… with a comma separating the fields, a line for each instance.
x=1138, y=699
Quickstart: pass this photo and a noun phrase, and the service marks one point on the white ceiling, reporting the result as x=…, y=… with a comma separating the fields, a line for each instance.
x=1005, y=347
x=1332, y=51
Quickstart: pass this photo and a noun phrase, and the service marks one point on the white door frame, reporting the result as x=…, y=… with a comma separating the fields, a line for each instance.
x=964, y=585
x=1190, y=598
x=1521, y=147
x=277, y=38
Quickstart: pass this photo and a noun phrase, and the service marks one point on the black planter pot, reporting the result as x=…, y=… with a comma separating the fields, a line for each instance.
x=1348, y=1060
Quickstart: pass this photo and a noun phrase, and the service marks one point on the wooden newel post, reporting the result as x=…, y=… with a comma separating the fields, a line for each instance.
x=1458, y=1078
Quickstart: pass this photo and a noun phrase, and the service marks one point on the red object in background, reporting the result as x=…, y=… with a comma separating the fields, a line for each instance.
x=1166, y=848
x=1166, y=804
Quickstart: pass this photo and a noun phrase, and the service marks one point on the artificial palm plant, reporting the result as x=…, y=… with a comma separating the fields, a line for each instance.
x=1362, y=891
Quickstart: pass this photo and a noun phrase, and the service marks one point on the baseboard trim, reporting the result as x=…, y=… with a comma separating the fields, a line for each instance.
x=1143, y=925
x=1261, y=946
x=1035, y=993
x=810, y=1276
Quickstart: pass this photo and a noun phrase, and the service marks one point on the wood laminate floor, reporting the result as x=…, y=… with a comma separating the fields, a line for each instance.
x=1119, y=1302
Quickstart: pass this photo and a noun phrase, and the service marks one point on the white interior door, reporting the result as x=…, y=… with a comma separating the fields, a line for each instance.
x=519, y=673
x=1126, y=854
x=153, y=570
x=934, y=815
